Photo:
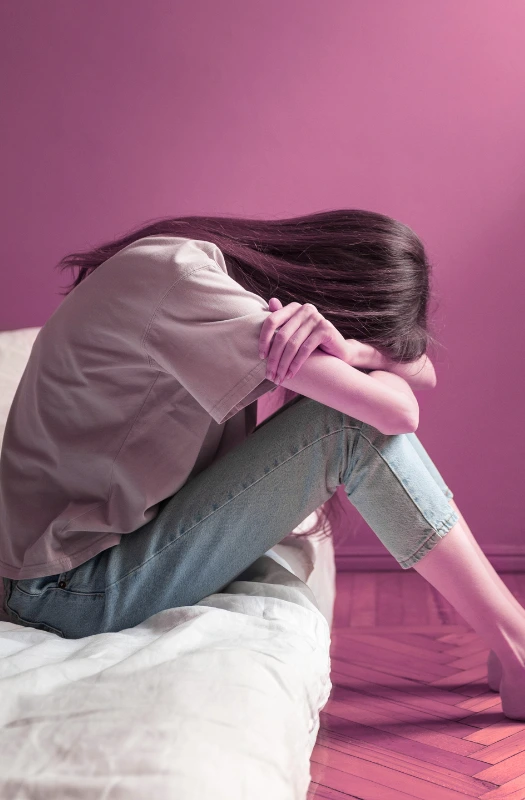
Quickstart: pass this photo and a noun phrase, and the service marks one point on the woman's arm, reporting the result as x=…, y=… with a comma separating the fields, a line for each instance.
x=381, y=399
x=419, y=374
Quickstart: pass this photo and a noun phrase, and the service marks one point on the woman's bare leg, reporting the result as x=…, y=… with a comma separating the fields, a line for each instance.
x=493, y=662
x=456, y=568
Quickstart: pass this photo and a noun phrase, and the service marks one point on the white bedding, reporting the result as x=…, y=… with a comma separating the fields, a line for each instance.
x=218, y=700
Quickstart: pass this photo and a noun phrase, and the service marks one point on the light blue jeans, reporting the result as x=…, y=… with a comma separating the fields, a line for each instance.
x=232, y=512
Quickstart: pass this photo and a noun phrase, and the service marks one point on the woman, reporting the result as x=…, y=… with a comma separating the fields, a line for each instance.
x=132, y=475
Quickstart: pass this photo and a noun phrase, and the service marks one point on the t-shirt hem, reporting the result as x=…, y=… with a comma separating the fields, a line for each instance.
x=60, y=564
x=241, y=394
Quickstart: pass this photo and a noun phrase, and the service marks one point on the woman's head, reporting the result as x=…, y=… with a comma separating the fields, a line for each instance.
x=365, y=272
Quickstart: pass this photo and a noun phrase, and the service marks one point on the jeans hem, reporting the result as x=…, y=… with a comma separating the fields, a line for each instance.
x=431, y=542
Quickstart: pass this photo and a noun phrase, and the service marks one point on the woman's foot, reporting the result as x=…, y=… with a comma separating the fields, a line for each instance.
x=512, y=692
x=493, y=671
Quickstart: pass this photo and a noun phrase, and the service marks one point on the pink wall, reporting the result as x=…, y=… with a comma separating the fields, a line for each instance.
x=117, y=113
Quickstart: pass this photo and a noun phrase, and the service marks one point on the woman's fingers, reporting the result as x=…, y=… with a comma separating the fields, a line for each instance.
x=293, y=359
x=290, y=334
x=285, y=345
x=270, y=325
x=289, y=339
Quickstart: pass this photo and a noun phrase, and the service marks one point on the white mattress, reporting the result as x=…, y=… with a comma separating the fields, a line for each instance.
x=218, y=700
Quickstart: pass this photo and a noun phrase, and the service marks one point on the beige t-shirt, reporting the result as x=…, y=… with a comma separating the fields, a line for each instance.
x=146, y=372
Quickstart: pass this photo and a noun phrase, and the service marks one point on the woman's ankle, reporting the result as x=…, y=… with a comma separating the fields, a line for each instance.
x=511, y=654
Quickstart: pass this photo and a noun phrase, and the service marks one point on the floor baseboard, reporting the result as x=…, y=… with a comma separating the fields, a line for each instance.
x=504, y=558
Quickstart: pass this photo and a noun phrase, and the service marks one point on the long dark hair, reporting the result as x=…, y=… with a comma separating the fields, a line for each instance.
x=365, y=272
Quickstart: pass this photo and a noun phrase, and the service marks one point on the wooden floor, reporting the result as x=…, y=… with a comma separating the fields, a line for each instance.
x=410, y=714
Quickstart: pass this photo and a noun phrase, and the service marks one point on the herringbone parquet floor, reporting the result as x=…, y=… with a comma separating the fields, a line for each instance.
x=410, y=714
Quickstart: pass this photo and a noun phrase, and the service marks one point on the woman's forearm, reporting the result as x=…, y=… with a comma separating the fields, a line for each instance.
x=419, y=374
x=394, y=382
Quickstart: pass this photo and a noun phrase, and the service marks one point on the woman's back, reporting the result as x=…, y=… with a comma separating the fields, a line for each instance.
x=125, y=396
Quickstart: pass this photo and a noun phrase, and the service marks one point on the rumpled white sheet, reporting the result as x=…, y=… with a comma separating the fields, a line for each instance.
x=219, y=700
x=216, y=701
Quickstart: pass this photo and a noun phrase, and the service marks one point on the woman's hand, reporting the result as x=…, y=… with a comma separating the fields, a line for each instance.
x=292, y=333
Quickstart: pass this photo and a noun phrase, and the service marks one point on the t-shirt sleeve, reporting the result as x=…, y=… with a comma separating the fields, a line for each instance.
x=205, y=332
